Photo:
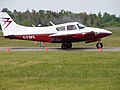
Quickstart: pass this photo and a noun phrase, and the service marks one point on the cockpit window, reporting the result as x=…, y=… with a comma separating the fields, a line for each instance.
x=71, y=27
x=62, y=28
x=80, y=26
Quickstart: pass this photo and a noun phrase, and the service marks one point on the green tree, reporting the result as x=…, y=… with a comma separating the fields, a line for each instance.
x=26, y=23
x=106, y=17
x=99, y=15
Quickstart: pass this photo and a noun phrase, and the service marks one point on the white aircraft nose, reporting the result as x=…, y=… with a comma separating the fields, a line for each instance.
x=106, y=32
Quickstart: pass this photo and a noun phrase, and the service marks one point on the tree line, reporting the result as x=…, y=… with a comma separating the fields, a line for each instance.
x=43, y=17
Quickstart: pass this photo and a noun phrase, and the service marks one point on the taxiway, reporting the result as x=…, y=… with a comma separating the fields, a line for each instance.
x=56, y=49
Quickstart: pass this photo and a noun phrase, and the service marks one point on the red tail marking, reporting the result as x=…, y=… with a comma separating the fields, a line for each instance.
x=7, y=20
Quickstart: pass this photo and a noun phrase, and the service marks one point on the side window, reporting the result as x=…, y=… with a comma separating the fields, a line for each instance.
x=71, y=27
x=61, y=28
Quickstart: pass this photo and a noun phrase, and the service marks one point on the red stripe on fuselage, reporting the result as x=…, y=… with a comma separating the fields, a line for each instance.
x=41, y=37
x=46, y=38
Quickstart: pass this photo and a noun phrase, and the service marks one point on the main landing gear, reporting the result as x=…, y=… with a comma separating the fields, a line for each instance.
x=69, y=45
x=99, y=45
x=66, y=45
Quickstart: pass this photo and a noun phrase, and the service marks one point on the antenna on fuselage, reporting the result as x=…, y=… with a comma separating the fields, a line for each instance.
x=52, y=23
x=33, y=25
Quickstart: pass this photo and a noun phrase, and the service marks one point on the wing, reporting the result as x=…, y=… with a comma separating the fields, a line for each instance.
x=84, y=35
x=59, y=35
x=73, y=37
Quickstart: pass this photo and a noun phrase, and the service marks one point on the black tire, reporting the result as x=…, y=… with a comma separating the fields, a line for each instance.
x=69, y=45
x=64, y=46
x=99, y=45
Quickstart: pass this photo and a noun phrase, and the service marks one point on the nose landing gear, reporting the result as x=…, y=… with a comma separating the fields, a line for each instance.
x=99, y=45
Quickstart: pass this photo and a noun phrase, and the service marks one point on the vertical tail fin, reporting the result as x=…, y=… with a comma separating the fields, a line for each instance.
x=9, y=27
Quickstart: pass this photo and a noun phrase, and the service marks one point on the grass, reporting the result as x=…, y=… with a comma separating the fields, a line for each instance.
x=59, y=70
x=111, y=41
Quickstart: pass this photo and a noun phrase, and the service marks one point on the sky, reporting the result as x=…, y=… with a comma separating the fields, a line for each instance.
x=76, y=6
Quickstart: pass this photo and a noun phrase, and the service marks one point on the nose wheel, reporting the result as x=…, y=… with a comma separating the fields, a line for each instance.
x=66, y=45
x=99, y=45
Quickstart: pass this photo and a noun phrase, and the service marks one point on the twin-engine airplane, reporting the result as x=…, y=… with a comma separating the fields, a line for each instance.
x=63, y=33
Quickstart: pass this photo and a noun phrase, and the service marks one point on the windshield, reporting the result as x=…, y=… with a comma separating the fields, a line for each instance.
x=80, y=26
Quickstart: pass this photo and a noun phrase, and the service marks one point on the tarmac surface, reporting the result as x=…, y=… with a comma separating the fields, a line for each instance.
x=56, y=49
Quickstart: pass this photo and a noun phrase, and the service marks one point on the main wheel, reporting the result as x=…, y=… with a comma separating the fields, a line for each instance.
x=69, y=45
x=64, y=46
x=99, y=45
